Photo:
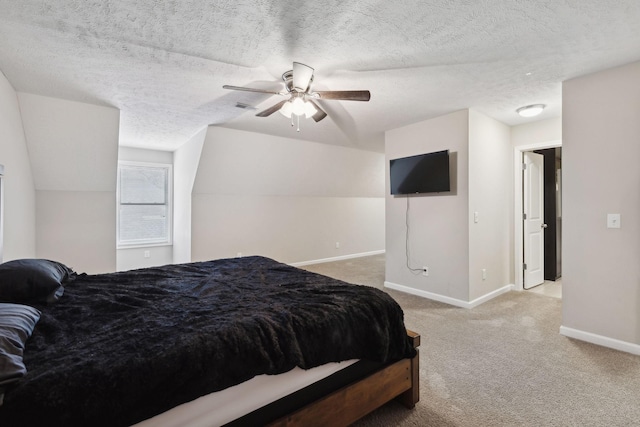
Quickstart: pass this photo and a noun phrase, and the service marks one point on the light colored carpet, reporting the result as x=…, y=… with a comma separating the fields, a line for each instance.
x=502, y=363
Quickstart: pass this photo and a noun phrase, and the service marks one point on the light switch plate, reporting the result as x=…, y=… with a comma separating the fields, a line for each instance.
x=613, y=220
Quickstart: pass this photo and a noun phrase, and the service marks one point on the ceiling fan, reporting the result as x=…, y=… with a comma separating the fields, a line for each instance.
x=301, y=100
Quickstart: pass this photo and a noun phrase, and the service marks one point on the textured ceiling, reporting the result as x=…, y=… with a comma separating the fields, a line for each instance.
x=163, y=63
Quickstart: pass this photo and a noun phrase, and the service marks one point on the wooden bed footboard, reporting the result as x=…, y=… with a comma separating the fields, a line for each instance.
x=400, y=380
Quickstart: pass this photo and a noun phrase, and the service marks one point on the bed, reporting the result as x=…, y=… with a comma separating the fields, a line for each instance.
x=120, y=348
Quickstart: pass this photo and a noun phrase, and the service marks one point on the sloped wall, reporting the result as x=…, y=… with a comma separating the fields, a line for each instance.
x=185, y=166
x=19, y=191
x=73, y=149
x=288, y=199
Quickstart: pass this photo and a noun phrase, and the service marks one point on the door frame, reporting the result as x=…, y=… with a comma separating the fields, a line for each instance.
x=518, y=229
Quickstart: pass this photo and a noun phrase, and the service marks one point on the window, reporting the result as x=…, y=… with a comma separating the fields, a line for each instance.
x=144, y=204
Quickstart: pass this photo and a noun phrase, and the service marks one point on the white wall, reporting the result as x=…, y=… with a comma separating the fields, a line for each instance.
x=131, y=154
x=439, y=226
x=73, y=149
x=443, y=234
x=601, y=149
x=75, y=228
x=185, y=165
x=131, y=258
x=490, y=195
x=288, y=199
x=19, y=190
x=537, y=132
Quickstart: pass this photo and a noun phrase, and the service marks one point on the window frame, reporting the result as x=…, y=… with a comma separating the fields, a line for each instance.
x=149, y=242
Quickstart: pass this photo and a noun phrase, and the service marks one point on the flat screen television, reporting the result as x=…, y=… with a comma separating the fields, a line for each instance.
x=424, y=173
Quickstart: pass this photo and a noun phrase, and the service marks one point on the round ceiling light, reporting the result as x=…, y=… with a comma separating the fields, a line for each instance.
x=530, y=110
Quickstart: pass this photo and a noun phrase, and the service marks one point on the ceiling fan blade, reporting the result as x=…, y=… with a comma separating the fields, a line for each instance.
x=250, y=89
x=343, y=95
x=320, y=113
x=269, y=111
x=302, y=76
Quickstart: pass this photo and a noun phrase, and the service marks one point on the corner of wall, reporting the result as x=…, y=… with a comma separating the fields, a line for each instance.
x=600, y=268
x=19, y=240
x=490, y=205
x=186, y=162
x=75, y=181
x=439, y=229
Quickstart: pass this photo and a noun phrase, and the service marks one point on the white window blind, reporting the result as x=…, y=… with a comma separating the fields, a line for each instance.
x=144, y=204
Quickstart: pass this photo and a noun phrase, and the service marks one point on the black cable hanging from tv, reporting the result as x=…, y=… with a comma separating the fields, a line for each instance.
x=414, y=271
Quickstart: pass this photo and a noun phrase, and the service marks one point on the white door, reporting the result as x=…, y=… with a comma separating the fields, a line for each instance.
x=533, y=219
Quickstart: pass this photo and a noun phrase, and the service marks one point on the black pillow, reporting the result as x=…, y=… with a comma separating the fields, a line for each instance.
x=16, y=325
x=33, y=280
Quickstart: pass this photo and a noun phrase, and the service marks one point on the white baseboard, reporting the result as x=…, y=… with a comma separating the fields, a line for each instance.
x=600, y=340
x=448, y=300
x=338, y=258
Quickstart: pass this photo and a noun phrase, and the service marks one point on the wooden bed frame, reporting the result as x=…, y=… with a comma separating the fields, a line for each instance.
x=400, y=381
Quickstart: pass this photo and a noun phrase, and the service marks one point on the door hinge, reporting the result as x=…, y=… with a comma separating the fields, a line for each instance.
x=524, y=266
x=524, y=216
x=524, y=166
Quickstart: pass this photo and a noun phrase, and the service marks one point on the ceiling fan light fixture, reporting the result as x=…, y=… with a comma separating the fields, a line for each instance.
x=287, y=109
x=309, y=110
x=297, y=106
x=530, y=110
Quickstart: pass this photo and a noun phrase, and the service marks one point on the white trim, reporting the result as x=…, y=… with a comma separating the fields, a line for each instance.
x=517, y=223
x=600, y=340
x=448, y=300
x=338, y=258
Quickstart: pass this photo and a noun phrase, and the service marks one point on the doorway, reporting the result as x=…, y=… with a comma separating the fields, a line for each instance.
x=548, y=255
x=552, y=181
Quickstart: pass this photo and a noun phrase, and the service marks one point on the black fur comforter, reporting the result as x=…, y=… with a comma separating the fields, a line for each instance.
x=121, y=347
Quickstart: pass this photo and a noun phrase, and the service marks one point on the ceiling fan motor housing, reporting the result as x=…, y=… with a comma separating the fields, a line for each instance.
x=287, y=77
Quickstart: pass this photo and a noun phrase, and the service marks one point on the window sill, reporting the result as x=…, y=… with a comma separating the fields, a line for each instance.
x=142, y=245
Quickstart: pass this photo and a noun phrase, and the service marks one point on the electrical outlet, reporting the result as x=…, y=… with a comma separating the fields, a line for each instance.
x=147, y=254
x=337, y=245
x=484, y=274
x=425, y=271
x=239, y=255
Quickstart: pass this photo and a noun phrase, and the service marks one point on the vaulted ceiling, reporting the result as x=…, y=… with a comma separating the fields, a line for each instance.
x=163, y=63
